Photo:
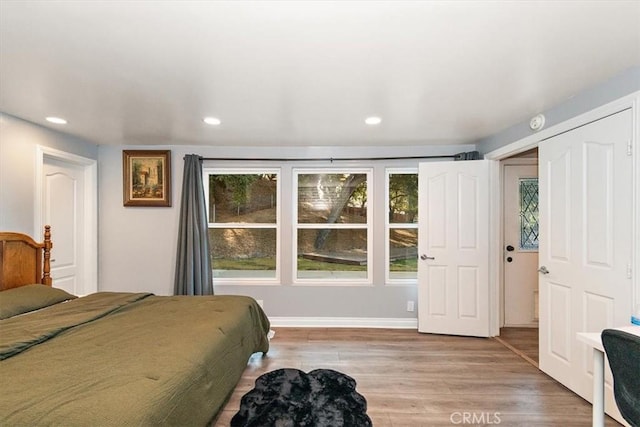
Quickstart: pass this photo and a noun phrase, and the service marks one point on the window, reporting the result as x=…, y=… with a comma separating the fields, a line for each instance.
x=332, y=226
x=325, y=230
x=243, y=212
x=402, y=226
x=529, y=214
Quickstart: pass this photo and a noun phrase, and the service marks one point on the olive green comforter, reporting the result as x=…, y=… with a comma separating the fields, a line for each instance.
x=123, y=359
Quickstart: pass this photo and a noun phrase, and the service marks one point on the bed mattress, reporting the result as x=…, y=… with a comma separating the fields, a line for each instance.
x=127, y=359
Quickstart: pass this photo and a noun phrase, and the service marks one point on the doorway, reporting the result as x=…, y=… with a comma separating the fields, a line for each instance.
x=580, y=167
x=519, y=314
x=66, y=199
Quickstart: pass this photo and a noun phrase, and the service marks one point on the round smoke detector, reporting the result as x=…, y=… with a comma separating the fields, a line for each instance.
x=537, y=122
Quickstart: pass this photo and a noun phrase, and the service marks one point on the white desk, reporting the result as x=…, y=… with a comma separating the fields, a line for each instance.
x=594, y=340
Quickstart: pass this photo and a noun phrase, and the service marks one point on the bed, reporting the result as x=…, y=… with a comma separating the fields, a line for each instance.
x=115, y=359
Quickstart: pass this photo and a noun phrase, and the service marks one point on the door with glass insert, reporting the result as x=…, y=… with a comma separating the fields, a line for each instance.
x=520, y=247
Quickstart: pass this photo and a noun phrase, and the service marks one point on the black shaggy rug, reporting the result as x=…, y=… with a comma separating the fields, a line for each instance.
x=292, y=398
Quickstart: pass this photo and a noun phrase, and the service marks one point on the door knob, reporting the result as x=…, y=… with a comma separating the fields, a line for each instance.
x=510, y=248
x=424, y=257
x=543, y=270
x=509, y=259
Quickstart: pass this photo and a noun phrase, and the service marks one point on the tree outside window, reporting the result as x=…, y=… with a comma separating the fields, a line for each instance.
x=402, y=226
x=332, y=225
x=243, y=224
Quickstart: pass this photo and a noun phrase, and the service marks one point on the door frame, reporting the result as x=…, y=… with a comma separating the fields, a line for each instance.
x=525, y=161
x=496, y=236
x=90, y=232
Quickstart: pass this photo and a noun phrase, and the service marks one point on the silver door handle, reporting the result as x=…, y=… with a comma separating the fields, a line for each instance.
x=424, y=257
x=543, y=270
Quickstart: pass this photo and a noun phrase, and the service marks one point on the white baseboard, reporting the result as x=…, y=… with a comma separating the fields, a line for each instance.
x=343, y=322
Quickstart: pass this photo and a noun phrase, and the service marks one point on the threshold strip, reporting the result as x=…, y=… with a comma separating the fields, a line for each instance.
x=516, y=351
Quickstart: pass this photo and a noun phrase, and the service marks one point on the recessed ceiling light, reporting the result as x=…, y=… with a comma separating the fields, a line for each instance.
x=373, y=120
x=213, y=121
x=56, y=120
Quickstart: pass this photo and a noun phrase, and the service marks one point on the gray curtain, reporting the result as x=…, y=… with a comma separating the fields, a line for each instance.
x=193, y=265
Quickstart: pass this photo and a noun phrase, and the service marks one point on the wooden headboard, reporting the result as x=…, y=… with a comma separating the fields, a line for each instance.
x=23, y=261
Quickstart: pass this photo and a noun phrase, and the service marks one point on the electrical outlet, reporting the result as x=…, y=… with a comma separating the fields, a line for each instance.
x=260, y=303
x=410, y=305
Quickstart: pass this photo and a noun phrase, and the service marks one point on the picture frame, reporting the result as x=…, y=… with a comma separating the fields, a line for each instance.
x=146, y=177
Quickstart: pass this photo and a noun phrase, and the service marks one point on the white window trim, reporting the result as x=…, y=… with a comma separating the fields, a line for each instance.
x=276, y=280
x=327, y=281
x=389, y=226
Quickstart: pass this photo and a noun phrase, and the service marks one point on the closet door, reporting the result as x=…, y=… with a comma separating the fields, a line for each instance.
x=585, y=243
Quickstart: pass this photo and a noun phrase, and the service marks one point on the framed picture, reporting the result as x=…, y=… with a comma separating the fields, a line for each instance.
x=146, y=177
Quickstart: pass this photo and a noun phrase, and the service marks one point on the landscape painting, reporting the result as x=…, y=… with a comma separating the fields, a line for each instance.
x=146, y=177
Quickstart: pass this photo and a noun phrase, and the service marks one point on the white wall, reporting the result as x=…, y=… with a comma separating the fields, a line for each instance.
x=18, y=142
x=138, y=245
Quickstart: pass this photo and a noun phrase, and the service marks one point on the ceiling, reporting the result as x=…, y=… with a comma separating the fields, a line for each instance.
x=304, y=73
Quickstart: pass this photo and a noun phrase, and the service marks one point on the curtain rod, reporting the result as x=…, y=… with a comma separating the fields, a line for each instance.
x=471, y=155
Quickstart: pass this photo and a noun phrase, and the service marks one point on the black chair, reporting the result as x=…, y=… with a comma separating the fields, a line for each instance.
x=623, y=353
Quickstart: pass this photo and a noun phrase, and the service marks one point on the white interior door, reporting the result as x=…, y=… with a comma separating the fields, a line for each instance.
x=520, y=209
x=64, y=210
x=453, y=285
x=585, y=244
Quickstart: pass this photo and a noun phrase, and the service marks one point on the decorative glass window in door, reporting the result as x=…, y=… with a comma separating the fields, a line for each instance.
x=529, y=214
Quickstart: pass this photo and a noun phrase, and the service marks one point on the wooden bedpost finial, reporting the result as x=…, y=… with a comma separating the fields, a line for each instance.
x=46, y=270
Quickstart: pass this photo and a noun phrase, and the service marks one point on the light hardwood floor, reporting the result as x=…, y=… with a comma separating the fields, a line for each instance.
x=411, y=379
x=523, y=341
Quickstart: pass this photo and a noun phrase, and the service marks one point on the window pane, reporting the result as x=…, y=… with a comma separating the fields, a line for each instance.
x=529, y=213
x=332, y=253
x=246, y=198
x=403, y=198
x=332, y=198
x=243, y=252
x=403, y=253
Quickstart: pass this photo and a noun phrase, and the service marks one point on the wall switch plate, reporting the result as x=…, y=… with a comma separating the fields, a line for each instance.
x=410, y=305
